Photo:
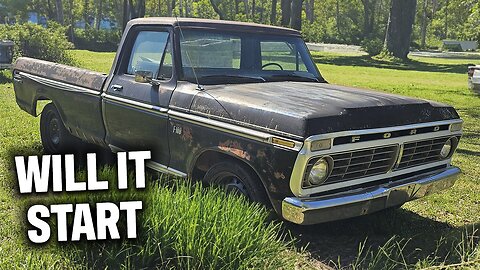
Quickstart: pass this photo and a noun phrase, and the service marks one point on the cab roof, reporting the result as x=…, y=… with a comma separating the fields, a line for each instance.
x=214, y=24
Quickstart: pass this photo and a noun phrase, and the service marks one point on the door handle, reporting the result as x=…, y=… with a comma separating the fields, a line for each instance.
x=116, y=87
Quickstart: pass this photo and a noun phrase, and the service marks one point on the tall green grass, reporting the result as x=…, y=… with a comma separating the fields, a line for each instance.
x=182, y=226
x=461, y=252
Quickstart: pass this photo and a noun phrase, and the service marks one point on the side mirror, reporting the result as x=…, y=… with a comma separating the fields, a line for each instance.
x=146, y=77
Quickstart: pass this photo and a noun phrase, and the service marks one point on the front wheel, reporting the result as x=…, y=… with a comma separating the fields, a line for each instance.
x=55, y=137
x=237, y=178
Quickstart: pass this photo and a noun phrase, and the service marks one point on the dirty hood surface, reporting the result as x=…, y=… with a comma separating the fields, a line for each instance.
x=305, y=109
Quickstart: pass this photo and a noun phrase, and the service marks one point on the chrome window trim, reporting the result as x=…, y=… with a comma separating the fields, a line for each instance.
x=305, y=154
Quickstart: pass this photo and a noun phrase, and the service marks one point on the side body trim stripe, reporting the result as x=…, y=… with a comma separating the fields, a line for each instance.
x=154, y=165
x=59, y=85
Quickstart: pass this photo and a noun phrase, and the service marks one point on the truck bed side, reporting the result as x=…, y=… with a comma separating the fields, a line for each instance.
x=75, y=92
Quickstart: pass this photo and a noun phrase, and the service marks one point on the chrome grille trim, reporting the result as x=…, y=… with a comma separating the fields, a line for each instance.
x=378, y=161
x=359, y=163
x=421, y=152
x=306, y=155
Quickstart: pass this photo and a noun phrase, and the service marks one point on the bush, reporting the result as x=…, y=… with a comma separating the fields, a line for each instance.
x=181, y=226
x=35, y=41
x=97, y=40
x=313, y=33
x=373, y=46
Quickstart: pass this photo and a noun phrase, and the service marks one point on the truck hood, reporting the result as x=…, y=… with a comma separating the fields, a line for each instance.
x=304, y=109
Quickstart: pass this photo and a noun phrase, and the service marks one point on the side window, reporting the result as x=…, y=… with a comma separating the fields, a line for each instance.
x=281, y=53
x=166, y=68
x=148, y=54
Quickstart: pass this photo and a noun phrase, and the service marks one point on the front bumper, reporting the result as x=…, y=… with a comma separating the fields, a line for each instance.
x=365, y=201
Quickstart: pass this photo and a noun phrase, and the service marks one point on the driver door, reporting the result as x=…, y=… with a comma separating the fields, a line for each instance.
x=134, y=112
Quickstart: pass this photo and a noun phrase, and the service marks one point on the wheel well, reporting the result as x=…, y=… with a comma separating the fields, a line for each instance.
x=44, y=101
x=211, y=157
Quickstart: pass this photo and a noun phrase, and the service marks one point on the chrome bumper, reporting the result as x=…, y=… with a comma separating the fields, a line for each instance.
x=365, y=201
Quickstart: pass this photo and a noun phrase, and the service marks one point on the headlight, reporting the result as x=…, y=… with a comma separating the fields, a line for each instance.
x=448, y=148
x=456, y=127
x=320, y=171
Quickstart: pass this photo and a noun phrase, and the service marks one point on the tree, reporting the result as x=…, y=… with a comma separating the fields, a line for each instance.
x=423, y=27
x=446, y=20
x=170, y=7
x=254, y=6
x=296, y=14
x=273, y=12
x=245, y=3
x=126, y=14
x=217, y=9
x=99, y=17
x=368, y=17
x=399, y=30
x=59, y=6
x=85, y=13
x=286, y=6
x=71, y=21
x=310, y=10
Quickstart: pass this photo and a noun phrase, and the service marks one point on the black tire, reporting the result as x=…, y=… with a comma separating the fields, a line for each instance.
x=237, y=178
x=56, y=139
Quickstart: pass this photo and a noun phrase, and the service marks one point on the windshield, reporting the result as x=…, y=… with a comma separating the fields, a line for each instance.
x=224, y=57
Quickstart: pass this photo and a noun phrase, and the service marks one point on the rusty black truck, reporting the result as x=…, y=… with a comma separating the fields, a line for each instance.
x=244, y=106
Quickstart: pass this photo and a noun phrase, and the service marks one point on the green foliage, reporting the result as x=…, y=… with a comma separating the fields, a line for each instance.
x=457, y=252
x=334, y=21
x=472, y=26
x=97, y=40
x=35, y=41
x=313, y=32
x=372, y=46
x=183, y=226
x=330, y=26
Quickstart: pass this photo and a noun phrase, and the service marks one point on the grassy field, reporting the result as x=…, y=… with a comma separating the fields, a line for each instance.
x=434, y=231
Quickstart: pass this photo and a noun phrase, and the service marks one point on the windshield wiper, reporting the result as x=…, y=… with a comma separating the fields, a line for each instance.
x=294, y=76
x=241, y=78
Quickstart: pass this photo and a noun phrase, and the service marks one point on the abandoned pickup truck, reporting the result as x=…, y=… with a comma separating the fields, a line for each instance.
x=244, y=106
x=6, y=54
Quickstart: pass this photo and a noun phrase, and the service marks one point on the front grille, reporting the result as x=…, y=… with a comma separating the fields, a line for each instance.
x=380, y=160
x=362, y=163
x=421, y=152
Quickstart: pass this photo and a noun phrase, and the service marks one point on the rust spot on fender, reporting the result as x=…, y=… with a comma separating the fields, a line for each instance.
x=186, y=134
x=279, y=175
x=261, y=154
x=235, y=148
x=272, y=188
